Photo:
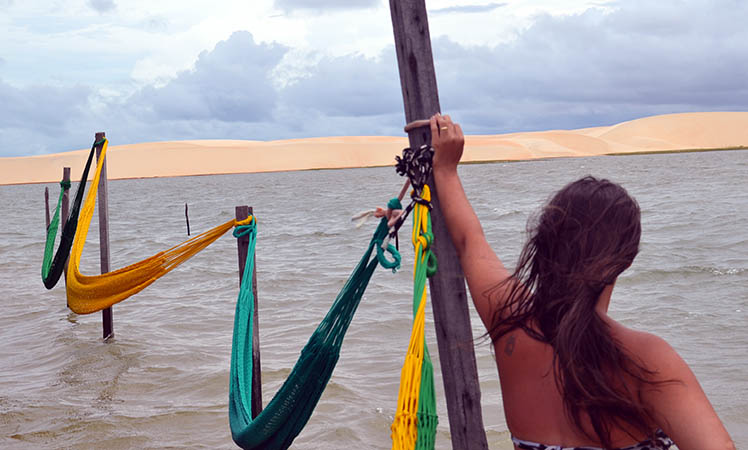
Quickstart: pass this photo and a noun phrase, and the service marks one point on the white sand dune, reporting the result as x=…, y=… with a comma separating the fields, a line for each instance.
x=687, y=131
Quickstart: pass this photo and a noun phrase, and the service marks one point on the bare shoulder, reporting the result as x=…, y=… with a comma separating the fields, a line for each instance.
x=649, y=350
x=676, y=398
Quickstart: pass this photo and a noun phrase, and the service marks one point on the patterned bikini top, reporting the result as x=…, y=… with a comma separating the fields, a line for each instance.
x=660, y=441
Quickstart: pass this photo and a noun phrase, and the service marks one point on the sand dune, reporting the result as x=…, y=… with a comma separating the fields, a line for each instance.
x=708, y=130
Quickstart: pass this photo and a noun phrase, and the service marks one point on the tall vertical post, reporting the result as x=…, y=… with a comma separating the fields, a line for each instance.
x=46, y=206
x=65, y=211
x=449, y=298
x=187, y=218
x=103, y=205
x=242, y=212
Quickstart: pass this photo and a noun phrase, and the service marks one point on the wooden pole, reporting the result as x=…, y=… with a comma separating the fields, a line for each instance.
x=187, y=218
x=449, y=299
x=65, y=211
x=242, y=212
x=106, y=314
x=46, y=206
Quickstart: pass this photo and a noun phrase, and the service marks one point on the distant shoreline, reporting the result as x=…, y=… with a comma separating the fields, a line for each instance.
x=671, y=133
x=497, y=161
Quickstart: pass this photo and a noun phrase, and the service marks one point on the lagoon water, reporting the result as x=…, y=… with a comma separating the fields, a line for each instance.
x=163, y=381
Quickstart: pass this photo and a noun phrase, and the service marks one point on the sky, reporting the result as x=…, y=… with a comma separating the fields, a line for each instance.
x=145, y=71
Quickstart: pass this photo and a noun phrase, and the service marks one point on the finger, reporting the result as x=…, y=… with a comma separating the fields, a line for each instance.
x=443, y=125
x=458, y=129
x=447, y=119
x=434, y=125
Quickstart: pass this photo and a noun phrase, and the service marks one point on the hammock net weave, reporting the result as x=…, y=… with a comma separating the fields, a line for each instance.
x=289, y=410
x=88, y=294
x=415, y=421
x=52, y=268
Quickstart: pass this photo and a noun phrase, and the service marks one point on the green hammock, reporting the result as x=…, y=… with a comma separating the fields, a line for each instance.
x=53, y=268
x=287, y=413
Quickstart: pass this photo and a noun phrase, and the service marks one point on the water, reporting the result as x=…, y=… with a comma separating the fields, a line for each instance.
x=163, y=381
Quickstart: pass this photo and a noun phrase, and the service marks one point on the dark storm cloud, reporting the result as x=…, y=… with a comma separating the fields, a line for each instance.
x=468, y=9
x=601, y=67
x=231, y=83
x=31, y=118
x=102, y=6
x=322, y=5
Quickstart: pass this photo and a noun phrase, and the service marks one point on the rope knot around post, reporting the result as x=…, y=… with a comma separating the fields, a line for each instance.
x=416, y=165
x=423, y=236
x=244, y=227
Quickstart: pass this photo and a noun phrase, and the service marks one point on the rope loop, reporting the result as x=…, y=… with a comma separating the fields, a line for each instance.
x=65, y=184
x=393, y=264
x=421, y=200
x=244, y=227
x=431, y=265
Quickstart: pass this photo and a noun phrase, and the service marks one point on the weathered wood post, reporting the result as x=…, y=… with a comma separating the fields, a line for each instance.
x=106, y=314
x=65, y=212
x=46, y=206
x=449, y=299
x=187, y=218
x=242, y=212
x=65, y=200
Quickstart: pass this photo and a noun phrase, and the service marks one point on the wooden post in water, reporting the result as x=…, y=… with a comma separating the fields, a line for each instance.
x=242, y=212
x=449, y=299
x=106, y=314
x=65, y=212
x=46, y=206
x=187, y=218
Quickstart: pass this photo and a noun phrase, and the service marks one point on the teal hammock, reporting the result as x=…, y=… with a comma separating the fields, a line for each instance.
x=289, y=410
x=52, y=268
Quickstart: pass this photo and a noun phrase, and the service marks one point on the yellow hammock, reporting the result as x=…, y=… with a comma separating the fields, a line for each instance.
x=415, y=421
x=88, y=294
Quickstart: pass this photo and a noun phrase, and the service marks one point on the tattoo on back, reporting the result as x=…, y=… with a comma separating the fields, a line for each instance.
x=509, y=348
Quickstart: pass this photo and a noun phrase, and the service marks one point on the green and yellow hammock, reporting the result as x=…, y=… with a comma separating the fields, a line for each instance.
x=88, y=294
x=415, y=421
x=289, y=410
x=52, y=268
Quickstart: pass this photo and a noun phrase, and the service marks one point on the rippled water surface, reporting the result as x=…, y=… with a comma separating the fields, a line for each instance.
x=163, y=380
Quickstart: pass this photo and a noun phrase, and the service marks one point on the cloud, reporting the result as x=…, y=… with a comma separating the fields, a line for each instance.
x=321, y=5
x=468, y=9
x=351, y=85
x=596, y=68
x=102, y=6
x=600, y=68
x=231, y=83
x=32, y=118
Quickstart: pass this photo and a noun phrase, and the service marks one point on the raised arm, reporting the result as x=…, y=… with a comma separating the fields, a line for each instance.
x=483, y=269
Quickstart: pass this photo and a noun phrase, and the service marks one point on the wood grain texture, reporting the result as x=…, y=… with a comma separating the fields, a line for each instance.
x=449, y=298
x=107, y=320
x=242, y=243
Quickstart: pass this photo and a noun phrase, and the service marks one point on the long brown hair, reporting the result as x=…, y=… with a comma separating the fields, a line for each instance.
x=585, y=236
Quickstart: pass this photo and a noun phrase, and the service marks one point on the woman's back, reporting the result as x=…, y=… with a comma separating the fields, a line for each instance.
x=534, y=406
x=569, y=374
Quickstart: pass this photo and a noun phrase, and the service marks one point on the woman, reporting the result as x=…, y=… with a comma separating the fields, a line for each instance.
x=570, y=375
